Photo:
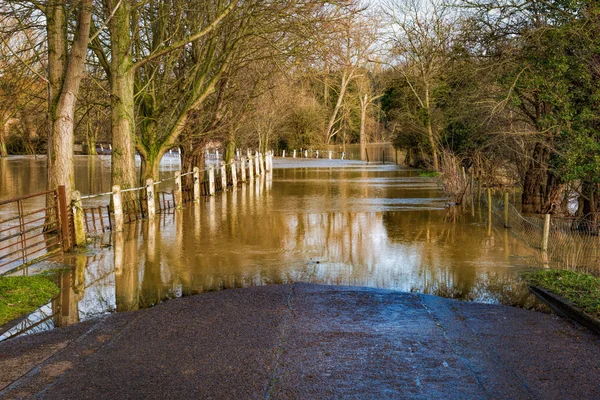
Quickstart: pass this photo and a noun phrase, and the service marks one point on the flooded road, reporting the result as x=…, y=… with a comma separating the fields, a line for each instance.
x=330, y=222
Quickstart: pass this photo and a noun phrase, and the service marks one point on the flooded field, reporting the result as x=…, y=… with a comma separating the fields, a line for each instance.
x=331, y=222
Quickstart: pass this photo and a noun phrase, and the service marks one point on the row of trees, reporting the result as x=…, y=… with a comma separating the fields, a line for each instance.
x=508, y=89
x=149, y=76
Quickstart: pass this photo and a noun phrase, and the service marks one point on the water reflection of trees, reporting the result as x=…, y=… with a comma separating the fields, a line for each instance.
x=461, y=256
x=256, y=235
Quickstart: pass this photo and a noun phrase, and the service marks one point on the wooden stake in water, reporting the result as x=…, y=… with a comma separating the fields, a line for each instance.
x=223, y=177
x=546, y=233
x=233, y=174
x=243, y=169
x=118, y=208
x=196, y=184
x=489, y=201
x=150, y=198
x=506, y=210
x=178, y=191
x=211, y=181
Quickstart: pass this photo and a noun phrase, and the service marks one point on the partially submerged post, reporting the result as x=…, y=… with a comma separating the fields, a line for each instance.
x=196, y=184
x=294, y=153
x=211, y=181
x=330, y=154
x=546, y=233
x=78, y=218
x=256, y=164
x=283, y=154
x=150, y=198
x=118, y=208
x=243, y=169
x=251, y=168
x=178, y=191
x=223, y=177
x=233, y=174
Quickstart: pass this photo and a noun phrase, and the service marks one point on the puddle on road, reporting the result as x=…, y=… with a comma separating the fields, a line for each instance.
x=377, y=226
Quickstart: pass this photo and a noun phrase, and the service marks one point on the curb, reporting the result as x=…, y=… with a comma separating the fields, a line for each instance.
x=565, y=308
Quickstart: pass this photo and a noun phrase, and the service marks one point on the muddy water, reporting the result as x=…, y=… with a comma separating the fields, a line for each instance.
x=331, y=222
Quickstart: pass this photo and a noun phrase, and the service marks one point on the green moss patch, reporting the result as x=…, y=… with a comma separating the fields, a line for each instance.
x=581, y=289
x=428, y=174
x=20, y=295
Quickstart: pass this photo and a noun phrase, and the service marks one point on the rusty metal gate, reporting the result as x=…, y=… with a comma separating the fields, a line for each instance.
x=33, y=227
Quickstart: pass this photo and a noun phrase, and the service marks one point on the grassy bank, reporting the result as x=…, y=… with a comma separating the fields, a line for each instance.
x=581, y=289
x=20, y=295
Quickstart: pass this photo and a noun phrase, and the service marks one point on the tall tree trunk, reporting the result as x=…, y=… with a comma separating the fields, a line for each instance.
x=3, y=136
x=363, y=135
x=61, y=170
x=430, y=133
x=555, y=194
x=345, y=80
x=122, y=101
x=532, y=183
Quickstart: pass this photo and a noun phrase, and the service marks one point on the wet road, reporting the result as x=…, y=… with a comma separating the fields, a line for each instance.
x=308, y=341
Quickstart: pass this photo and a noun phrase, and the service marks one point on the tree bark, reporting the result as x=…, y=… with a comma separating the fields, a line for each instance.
x=65, y=78
x=346, y=78
x=122, y=101
x=363, y=136
x=532, y=183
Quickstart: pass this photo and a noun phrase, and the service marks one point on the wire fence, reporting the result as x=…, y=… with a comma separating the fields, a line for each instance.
x=566, y=242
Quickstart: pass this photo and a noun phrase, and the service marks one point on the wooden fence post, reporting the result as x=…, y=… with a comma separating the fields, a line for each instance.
x=256, y=164
x=178, y=192
x=489, y=201
x=243, y=169
x=294, y=154
x=546, y=233
x=64, y=218
x=118, y=208
x=223, y=177
x=196, y=184
x=78, y=218
x=150, y=198
x=233, y=174
x=251, y=168
x=211, y=180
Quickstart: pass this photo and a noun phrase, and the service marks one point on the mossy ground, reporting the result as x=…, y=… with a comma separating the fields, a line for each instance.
x=581, y=289
x=428, y=174
x=20, y=295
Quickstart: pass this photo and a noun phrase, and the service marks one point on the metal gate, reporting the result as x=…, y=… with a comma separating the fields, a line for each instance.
x=33, y=227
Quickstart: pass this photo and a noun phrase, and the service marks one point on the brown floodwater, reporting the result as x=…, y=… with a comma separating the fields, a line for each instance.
x=330, y=222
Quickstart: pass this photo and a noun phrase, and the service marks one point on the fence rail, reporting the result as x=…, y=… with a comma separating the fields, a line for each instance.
x=146, y=201
x=29, y=235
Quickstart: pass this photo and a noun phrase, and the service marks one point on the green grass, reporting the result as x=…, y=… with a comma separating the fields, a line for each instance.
x=428, y=174
x=20, y=295
x=580, y=288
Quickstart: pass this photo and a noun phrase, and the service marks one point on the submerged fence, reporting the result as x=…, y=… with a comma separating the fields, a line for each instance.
x=30, y=232
x=569, y=243
x=129, y=205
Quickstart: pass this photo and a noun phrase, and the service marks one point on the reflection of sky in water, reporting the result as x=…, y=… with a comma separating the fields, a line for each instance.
x=376, y=226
